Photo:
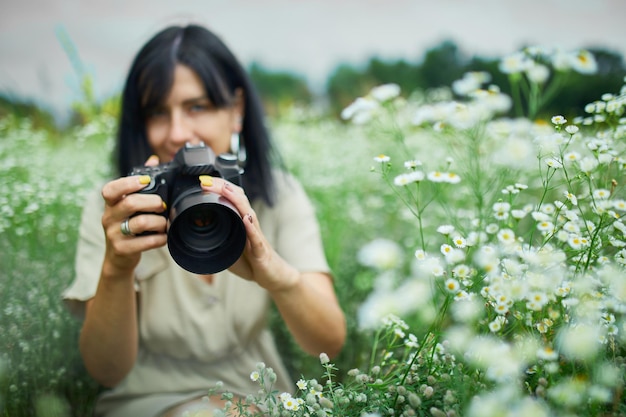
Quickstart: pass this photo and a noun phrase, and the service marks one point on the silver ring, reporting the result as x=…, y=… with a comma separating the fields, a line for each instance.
x=125, y=227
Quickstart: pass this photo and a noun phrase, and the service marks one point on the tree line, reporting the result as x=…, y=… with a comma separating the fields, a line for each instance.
x=438, y=67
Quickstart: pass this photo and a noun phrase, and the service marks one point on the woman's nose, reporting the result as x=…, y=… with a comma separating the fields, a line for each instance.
x=180, y=129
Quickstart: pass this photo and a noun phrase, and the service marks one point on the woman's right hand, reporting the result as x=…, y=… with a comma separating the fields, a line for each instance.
x=109, y=336
x=122, y=202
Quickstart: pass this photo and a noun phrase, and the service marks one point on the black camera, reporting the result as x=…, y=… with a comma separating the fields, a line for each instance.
x=206, y=233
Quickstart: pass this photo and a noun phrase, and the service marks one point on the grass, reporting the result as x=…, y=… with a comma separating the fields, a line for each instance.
x=43, y=184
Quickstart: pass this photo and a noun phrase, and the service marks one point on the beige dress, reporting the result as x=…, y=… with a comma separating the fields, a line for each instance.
x=194, y=334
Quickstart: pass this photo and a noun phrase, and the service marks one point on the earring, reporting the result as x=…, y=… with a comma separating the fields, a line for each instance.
x=234, y=143
x=237, y=148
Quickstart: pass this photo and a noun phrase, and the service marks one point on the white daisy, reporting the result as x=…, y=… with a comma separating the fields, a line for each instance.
x=601, y=194
x=445, y=229
x=459, y=242
x=584, y=62
x=452, y=285
x=385, y=92
x=571, y=197
x=506, y=236
x=382, y=158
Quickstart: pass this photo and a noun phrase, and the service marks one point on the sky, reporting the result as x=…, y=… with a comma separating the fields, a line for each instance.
x=307, y=37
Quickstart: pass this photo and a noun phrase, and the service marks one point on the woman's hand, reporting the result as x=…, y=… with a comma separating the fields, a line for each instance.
x=306, y=301
x=123, y=252
x=259, y=262
x=109, y=336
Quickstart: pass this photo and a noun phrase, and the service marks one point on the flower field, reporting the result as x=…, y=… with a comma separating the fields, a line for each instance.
x=480, y=258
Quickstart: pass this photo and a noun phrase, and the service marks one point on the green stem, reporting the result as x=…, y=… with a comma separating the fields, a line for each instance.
x=374, y=348
x=594, y=236
x=430, y=332
x=412, y=202
x=533, y=101
x=515, y=93
x=554, y=86
x=545, y=181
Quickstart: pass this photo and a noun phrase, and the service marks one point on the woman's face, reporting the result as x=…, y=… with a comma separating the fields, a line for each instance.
x=187, y=115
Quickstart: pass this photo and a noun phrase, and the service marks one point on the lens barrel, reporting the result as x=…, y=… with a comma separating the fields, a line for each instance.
x=206, y=233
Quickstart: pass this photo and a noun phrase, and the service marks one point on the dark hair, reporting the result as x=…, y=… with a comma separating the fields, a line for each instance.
x=150, y=79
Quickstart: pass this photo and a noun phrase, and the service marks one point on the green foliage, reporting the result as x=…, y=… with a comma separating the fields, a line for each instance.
x=345, y=83
x=278, y=89
x=329, y=162
x=400, y=72
x=574, y=90
x=516, y=279
x=443, y=64
x=40, y=118
x=439, y=67
x=88, y=109
x=40, y=203
x=581, y=89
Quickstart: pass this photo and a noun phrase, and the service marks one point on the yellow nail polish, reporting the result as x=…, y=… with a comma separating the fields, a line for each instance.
x=144, y=179
x=153, y=160
x=206, y=180
x=164, y=205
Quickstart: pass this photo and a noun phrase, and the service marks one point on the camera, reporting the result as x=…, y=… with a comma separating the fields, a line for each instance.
x=206, y=233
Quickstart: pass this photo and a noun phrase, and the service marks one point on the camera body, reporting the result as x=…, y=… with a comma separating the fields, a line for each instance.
x=205, y=231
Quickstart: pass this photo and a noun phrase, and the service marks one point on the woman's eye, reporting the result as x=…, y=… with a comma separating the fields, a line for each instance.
x=198, y=107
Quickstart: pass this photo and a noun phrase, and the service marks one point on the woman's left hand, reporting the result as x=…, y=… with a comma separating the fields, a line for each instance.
x=259, y=261
x=307, y=301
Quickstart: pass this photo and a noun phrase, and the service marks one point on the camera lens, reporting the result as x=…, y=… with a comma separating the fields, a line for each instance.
x=202, y=219
x=206, y=233
x=204, y=227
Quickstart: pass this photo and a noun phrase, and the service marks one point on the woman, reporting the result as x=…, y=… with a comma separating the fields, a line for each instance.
x=156, y=334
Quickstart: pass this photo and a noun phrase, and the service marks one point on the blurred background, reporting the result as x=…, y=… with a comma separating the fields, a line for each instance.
x=62, y=66
x=301, y=49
